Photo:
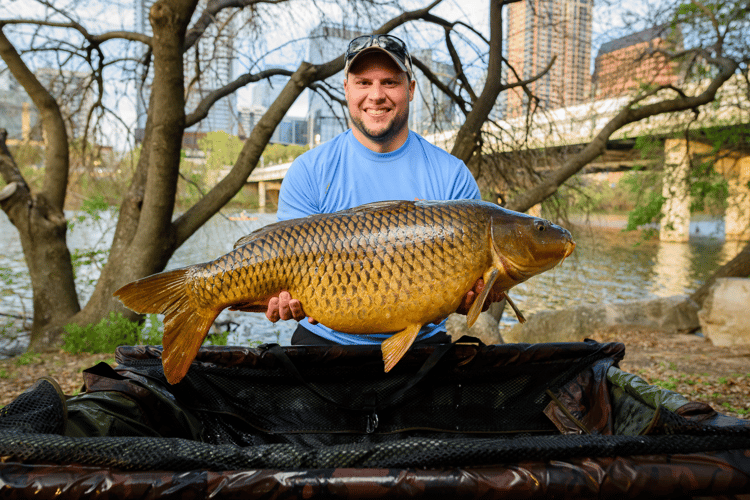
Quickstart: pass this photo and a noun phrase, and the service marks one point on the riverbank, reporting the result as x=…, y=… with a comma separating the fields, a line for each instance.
x=684, y=363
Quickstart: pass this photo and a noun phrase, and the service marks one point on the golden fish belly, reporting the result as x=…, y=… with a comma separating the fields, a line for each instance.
x=362, y=273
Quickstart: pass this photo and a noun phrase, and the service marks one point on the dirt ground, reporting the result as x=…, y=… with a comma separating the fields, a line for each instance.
x=687, y=364
x=684, y=363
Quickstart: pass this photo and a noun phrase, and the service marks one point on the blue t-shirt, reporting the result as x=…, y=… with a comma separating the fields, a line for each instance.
x=343, y=173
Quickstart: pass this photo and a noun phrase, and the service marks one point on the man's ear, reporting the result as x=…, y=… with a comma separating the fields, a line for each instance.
x=346, y=89
x=412, y=86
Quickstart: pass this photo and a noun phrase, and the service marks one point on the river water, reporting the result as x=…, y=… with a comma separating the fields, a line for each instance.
x=607, y=266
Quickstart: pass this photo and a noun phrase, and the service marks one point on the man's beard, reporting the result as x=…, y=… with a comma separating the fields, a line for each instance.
x=398, y=123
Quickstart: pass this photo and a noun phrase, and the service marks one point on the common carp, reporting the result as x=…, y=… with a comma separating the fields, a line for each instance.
x=382, y=267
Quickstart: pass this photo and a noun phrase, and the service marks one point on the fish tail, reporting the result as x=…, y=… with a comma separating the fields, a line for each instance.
x=395, y=346
x=185, y=326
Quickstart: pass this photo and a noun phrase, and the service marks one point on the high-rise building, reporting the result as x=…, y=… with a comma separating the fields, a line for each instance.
x=326, y=120
x=208, y=66
x=18, y=115
x=291, y=130
x=624, y=64
x=266, y=91
x=537, y=31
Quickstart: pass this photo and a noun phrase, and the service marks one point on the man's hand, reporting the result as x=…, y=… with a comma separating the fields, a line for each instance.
x=495, y=295
x=285, y=307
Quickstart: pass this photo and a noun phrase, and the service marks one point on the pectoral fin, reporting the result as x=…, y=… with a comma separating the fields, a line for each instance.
x=476, y=307
x=395, y=346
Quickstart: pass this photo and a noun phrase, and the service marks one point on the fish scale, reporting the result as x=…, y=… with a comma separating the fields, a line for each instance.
x=386, y=267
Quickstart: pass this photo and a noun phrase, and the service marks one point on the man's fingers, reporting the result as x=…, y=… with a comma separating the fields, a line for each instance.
x=272, y=313
x=285, y=311
x=295, y=308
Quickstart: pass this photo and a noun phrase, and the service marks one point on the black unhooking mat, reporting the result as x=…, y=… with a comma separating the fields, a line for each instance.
x=467, y=420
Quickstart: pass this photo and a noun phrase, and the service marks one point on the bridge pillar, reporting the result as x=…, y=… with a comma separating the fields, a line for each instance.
x=263, y=188
x=675, y=221
x=737, y=215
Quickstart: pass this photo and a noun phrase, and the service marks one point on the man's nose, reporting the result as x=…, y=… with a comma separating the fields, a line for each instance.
x=376, y=92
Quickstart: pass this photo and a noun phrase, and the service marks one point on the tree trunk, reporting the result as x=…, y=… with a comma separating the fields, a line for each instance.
x=145, y=236
x=39, y=218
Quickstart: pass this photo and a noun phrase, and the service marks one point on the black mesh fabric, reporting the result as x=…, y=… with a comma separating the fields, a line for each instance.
x=39, y=409
x=244, y=409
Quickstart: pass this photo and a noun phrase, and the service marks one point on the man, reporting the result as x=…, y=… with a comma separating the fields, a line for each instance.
x=378, y=159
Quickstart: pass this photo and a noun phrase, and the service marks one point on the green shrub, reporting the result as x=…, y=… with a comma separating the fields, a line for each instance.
x=218, y=338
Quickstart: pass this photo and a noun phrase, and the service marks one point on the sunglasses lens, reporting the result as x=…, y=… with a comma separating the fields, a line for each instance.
x=392, y=44
x=357, y=45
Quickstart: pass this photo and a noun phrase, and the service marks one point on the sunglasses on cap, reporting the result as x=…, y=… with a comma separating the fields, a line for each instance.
x=395, y=47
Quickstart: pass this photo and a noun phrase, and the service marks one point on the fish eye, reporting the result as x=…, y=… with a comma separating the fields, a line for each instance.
x=541, y=225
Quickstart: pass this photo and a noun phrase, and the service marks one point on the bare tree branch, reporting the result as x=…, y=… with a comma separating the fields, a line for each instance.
x=56, y=138
x=94, y=39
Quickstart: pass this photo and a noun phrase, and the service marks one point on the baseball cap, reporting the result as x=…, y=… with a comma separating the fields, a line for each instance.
x=391, y=45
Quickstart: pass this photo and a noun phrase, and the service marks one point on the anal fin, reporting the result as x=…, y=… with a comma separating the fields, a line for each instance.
x=184, y=333
x=395, y=346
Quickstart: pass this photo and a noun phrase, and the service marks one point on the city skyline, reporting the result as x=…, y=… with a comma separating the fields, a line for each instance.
x=234, y=105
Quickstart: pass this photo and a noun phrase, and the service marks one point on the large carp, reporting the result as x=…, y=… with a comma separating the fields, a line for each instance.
x=382, y=267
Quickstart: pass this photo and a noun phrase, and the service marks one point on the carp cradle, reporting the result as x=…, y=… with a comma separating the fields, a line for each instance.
x=459, y=420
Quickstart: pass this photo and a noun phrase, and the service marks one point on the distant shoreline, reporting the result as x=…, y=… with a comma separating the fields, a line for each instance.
x=700, y=226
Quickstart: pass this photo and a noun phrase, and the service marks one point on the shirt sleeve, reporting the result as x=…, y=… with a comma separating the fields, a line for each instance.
x=464, y=185
x=297, y=197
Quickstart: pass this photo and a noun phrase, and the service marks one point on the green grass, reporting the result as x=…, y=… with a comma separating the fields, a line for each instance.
x=109, y=333
x=27, y=358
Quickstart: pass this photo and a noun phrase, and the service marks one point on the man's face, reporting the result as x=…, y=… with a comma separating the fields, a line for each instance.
x=378, y=95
